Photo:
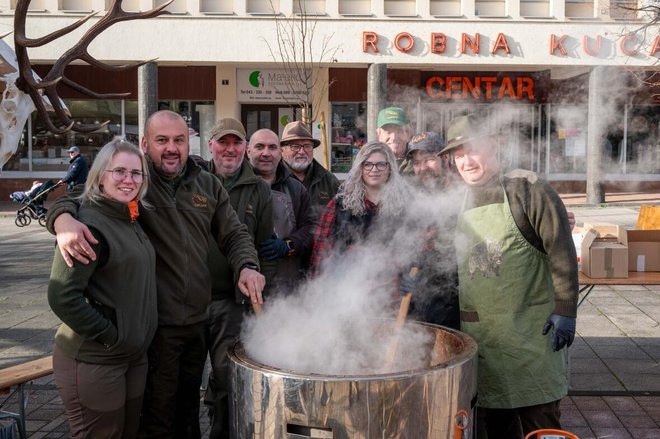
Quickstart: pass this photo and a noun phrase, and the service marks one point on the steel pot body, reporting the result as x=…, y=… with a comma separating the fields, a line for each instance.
x=434, y=402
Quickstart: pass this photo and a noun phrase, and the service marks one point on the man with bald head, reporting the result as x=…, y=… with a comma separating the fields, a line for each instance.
x=185, y=208
x=292, y=218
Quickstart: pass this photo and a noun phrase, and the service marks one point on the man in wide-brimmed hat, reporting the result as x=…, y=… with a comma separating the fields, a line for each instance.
x=517, y=282
x=298, y=154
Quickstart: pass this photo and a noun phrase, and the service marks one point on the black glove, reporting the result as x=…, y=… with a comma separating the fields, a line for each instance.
x=273, y=249
x=408, y=283
x=563, y=330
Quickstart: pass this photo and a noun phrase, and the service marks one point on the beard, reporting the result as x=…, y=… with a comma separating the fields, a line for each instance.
x=299, y=166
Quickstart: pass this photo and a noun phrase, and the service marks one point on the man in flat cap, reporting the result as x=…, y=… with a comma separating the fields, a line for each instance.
x=251, y=198
x=518, y=281
x=298, y=154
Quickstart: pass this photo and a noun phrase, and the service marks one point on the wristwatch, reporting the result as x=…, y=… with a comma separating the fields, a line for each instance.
x=290, y=246
x=249, y=265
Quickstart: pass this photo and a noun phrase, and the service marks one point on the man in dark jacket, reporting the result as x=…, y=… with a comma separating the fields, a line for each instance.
x=435, y=298
x=298, y=154
x=78, y=169
x=292, y=220
x=187, y=207
x=250, y=196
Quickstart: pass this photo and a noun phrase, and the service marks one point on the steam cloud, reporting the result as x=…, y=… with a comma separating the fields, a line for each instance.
x=341, y=322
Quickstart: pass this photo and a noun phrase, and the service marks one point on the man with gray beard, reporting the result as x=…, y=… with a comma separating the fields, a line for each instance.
x=435, y=298
x=298, y=154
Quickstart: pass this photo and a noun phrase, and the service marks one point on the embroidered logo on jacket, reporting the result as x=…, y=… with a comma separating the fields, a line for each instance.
x=485, y=258
x=199, y=200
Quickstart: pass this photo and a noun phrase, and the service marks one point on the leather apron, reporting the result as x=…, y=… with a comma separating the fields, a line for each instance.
x=506, y=296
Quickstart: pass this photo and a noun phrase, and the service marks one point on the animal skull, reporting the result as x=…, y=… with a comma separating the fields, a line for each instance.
x=15, y=107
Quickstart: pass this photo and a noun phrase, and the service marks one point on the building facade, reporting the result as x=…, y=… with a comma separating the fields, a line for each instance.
x=526, y=62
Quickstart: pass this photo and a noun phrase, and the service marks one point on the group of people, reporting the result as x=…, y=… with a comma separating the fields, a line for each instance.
x=162, y=254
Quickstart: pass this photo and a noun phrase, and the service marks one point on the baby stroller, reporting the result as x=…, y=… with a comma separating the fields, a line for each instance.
x=33, y=203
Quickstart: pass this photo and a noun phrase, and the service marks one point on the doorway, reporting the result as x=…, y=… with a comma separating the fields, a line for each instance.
x=273, y=117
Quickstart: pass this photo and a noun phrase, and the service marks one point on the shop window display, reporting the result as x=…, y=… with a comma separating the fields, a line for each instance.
x=633, y=146
x=568, y=140
x=349, y=134
x=49, y=151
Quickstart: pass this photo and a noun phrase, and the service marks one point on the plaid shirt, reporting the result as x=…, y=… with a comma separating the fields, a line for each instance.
x=326, y=232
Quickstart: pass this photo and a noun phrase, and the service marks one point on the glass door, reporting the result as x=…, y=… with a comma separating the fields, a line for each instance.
x=273, y=117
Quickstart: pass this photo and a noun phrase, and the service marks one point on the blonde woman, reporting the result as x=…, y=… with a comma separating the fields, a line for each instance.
x=108, y=307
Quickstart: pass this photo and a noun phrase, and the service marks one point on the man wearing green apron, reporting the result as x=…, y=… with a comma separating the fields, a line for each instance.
x=517, y=282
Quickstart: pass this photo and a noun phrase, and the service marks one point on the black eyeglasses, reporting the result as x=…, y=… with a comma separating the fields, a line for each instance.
x=381, y=166
x=295, y=147
x=119, y=174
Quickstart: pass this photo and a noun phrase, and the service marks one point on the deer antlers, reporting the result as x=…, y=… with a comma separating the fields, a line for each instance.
x=48, y=85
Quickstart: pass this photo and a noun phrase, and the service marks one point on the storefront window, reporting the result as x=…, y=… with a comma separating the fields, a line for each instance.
x=349, y=133
x=568, y=140
x=633, y=145
x=49, y=151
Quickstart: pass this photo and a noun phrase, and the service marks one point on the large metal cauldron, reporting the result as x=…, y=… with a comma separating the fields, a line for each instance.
x=435, y=402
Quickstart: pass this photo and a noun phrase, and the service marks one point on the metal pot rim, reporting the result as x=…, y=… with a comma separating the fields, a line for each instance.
x=237, y=354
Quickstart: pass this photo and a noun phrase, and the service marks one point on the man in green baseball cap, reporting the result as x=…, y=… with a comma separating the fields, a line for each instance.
x=518, y=282
x=394, y=129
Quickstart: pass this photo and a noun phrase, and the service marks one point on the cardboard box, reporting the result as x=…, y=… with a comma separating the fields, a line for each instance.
x=644, y=250
x=604, y=251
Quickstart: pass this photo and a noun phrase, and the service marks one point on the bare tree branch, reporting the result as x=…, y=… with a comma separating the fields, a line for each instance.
x=295, y=52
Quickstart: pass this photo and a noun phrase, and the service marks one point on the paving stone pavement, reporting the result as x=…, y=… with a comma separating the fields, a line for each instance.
x=614, y=362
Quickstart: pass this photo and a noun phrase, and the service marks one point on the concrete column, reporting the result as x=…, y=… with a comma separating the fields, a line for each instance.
x=596, y=132
x=147, y=93
x=376, y=96
x=206, y=121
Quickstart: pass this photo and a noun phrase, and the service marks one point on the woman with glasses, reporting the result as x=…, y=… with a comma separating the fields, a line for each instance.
x=373, y=193
x=108, y=307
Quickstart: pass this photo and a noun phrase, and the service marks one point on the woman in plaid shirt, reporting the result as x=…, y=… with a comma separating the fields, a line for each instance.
x=373, y=191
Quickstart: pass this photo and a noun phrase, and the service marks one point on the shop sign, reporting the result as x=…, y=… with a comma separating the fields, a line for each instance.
x=591, y=46
x=268, y=85
x=486, y=86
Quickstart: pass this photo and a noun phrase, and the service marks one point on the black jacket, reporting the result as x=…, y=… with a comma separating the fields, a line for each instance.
x=77, y=172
